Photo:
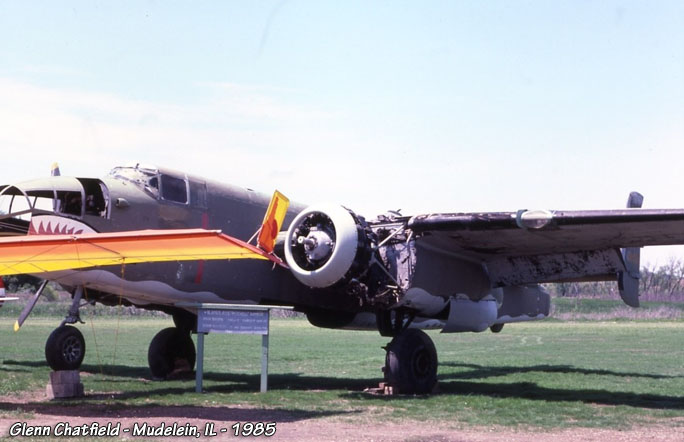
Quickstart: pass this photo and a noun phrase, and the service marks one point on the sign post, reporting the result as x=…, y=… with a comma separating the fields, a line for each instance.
x=264, y=363
x=236, y=319
x=200, y=362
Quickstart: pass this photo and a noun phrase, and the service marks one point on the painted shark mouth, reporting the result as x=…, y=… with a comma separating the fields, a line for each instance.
x=57, y=225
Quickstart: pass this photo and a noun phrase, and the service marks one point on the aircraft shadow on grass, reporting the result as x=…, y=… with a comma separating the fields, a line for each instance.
x=449, y=384
x=235, y=382
x=224, y=382
x=480, y=371
x=458, y=384
x=88, y=407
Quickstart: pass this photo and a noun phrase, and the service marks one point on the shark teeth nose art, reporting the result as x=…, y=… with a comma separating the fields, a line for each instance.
x=56, y=225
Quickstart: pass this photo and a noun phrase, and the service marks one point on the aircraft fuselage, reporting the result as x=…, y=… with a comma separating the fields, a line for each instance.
x=137, y=199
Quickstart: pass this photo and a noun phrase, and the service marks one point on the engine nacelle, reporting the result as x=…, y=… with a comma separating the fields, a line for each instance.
x=326, y=244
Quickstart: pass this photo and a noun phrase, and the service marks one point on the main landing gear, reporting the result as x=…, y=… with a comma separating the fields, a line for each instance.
x=172, y=350
x=411, y=358
x=411, y=363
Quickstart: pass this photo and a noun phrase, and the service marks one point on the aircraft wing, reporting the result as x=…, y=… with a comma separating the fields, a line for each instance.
x=48, y=253
x=548, y=246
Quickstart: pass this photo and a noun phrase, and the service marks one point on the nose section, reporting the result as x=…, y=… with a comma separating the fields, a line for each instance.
x=52, y=205
x=15, y=211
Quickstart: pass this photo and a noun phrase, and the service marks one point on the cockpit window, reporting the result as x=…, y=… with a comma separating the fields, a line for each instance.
x=96, y=197
x=174, y=189
x=198, y=194
x=168, y=187
x=69, y=203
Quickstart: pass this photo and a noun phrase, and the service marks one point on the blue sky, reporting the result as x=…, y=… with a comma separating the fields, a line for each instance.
x=424, y=106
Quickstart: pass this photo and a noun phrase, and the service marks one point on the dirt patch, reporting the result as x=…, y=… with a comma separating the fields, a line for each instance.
x=36, y=411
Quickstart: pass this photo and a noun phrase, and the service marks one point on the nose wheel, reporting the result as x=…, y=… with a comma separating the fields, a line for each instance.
x=65, y=348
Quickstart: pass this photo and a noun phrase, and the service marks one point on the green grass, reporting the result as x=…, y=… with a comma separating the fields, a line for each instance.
x=548, y=375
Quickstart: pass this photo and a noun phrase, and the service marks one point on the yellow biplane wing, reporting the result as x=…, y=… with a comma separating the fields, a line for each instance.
x=50, y=253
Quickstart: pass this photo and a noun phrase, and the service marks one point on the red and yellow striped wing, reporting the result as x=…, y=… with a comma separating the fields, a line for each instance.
x=50, y=253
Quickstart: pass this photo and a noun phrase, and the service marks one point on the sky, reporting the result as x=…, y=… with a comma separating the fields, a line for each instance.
x=431, y=106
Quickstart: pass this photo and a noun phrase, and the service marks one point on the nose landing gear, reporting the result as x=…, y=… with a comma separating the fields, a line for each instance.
x=65, y=347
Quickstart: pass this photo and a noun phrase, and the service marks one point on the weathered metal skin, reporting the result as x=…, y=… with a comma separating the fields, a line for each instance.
x=519, y=270
x=443, y=274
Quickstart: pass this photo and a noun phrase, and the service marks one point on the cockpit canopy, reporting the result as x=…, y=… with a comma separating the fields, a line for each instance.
x=78, y=197
x=163, y=184
x=64, y=196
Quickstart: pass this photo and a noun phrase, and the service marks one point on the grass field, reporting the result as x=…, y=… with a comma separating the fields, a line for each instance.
x=535, y=375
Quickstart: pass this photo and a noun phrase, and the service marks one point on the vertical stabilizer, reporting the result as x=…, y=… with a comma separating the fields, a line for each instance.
x=628, y=280
x=273, y=221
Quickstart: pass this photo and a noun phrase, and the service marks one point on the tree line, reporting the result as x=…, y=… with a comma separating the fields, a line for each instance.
x=657, y=283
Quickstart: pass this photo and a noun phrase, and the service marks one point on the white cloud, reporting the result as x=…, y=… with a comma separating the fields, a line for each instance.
x=245, y=135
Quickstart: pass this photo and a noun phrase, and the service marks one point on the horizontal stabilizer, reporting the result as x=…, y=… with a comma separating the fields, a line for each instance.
x=4, y=298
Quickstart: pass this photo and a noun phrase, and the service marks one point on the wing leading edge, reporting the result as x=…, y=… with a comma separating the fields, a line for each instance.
x=48, y=253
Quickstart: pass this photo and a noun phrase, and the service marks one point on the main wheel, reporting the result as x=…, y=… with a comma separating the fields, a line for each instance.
x=171, y=350
x=411, y=363
x=65, y=348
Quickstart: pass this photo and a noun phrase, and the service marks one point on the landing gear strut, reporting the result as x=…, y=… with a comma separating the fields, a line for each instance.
x=171, y=350
x=393, y=322
x=411, y=363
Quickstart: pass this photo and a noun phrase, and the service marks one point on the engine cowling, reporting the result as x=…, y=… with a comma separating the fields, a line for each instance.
x=326, y=244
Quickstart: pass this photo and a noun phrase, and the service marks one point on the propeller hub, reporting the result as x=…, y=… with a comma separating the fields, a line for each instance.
x=317, y=245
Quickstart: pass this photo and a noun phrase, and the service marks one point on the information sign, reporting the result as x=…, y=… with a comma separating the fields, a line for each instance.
x=233, y=321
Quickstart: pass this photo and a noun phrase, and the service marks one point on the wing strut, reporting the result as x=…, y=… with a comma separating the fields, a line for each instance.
x=29, y=307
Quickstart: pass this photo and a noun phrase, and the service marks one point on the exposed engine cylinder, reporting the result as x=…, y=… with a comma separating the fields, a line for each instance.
x=326, y=244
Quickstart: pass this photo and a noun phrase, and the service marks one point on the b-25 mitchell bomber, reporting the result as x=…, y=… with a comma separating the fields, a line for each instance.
x=160, y=239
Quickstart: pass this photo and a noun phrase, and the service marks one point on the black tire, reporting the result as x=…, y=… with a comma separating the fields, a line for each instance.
x=411, y=363
x=496, y=328
x=65, y=348
x=171, y=349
